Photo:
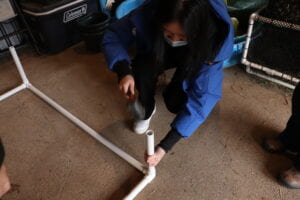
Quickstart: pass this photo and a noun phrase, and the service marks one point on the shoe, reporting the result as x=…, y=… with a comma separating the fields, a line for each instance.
x=290, y=178
x=273, y=145
x=141, y=126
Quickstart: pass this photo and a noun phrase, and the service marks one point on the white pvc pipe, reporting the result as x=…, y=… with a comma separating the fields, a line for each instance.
x=19, y=65
x=274, y=80
x=272, y=72
x=150, y=147
x=89, y=130
x=147, y=179
x=151, y=170
x=12, y=92
x=249, y=33
x=150, y=142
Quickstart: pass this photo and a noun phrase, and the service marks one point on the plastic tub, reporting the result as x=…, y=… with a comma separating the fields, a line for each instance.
x=238, y=48
x=93, y=41
x=92, y=28
x=94, y=22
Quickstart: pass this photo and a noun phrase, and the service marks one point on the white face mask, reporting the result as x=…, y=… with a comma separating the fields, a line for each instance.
x=175, y=44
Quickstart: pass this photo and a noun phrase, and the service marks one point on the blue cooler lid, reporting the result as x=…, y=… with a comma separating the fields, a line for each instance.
x=127, y=6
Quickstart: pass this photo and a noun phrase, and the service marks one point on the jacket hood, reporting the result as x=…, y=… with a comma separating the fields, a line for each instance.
x=221, y=11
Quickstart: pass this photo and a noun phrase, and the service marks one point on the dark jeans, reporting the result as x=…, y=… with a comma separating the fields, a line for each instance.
x=146, y=73
x=290, y=137
x=1, y=153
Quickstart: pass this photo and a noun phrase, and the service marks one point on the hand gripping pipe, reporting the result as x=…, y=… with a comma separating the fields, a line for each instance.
x=149, y=172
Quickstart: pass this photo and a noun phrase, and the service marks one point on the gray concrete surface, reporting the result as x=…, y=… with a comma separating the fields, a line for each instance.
x=49, y=158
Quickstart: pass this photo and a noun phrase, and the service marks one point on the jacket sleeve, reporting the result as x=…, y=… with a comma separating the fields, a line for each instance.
x=202, y=94
x=117, y=39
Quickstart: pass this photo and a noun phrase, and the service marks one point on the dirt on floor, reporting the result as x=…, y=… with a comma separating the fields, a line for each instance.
x=49, y=158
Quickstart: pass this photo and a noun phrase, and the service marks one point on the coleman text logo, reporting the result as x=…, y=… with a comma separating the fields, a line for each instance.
x=75, y=13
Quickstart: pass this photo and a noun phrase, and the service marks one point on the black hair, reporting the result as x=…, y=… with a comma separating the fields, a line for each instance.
x=204, y=30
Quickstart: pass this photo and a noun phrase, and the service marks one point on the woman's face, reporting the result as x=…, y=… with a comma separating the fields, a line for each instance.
x=174, y=32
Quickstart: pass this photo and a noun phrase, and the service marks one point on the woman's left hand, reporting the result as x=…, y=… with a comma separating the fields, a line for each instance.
x=154, y=159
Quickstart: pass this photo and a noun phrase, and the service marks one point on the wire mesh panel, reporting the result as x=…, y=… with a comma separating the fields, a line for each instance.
x=273, y=53
x=284, y=10
x=278, y=48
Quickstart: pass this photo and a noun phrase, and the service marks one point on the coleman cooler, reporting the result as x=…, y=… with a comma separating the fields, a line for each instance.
x=54, y=24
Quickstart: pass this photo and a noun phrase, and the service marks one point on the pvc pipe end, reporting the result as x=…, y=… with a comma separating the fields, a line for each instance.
x=150, y=133
x=253, y=16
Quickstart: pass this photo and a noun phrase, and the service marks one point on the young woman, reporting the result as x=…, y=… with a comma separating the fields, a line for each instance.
x=192, y=36
x=4, y=181
x=289, y=140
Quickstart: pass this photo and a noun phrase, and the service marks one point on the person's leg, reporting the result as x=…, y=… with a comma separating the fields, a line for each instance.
x=290, y=137
x=2, y=153
x=145, y=77
x=4, y=181
x=174, y=96
x=297, y=162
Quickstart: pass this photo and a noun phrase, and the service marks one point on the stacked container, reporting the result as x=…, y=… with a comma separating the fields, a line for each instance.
x=53, y=22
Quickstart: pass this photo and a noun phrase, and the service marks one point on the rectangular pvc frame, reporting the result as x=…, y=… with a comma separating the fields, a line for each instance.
x=150, y=172
x=268, y=71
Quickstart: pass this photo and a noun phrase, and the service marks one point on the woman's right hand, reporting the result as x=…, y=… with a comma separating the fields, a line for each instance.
x=126, y=86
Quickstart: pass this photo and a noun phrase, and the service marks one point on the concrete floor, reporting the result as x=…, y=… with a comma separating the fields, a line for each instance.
x=49, y=158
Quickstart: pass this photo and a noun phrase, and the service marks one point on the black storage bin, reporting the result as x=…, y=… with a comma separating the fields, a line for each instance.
x=54, y=25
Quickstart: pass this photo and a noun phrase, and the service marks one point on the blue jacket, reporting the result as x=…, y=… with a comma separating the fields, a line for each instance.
x=203, y=91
